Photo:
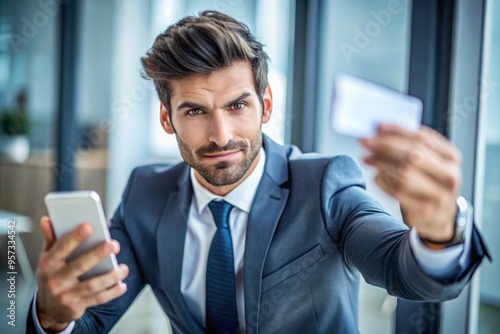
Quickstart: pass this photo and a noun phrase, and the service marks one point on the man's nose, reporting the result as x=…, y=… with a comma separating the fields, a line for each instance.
x=220, y=130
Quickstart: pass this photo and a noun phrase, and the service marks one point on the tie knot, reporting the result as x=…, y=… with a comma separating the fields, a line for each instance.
x=220, y=211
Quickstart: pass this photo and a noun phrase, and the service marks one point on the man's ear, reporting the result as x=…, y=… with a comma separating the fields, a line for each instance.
x=165, y=120
x=267, y=100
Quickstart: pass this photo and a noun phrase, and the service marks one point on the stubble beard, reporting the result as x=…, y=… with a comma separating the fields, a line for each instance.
x=222, y=173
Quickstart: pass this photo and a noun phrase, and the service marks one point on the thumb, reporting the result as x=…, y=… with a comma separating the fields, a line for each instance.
x=48, y=233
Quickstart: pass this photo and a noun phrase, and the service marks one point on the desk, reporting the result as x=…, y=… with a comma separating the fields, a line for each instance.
x=23, y=224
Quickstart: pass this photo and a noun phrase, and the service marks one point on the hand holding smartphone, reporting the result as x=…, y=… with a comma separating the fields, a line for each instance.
x=67, y=210
x=77, y=266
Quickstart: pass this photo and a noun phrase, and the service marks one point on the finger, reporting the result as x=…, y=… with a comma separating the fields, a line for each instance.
x=89, y=260
x=445, y=173
x=48, y=233
x=102, y=282
x=63, y=247
x=105, y=296
x=403, y=147
x=400, y=169
x=440, y=144
x=430, y=137
x=67, y=278
x=393, y=130
x=413, y=184
x=391, y=146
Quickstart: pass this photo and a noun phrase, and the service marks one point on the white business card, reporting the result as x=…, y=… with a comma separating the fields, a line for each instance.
x=359, y=106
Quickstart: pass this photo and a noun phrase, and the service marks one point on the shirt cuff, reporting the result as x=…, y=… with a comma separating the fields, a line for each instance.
x=443, y=263
x=38, y=327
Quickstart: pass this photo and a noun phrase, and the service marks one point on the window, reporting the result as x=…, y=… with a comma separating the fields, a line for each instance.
x=369, y=39
x=488, y=177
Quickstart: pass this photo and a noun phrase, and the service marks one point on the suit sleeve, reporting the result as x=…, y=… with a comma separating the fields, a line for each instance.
x=378, y=245
x=101, y=319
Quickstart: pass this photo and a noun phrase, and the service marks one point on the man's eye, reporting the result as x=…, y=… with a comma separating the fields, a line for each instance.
x=238, y=106
x=194, y=112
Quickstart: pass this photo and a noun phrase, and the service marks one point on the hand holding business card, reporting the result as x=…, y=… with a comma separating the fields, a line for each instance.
x=360, y=106
x=416, y=165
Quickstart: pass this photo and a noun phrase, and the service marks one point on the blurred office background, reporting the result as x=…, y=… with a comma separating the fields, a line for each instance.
x=72, y=67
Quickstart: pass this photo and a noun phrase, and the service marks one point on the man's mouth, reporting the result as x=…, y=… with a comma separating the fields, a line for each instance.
x=225, y=155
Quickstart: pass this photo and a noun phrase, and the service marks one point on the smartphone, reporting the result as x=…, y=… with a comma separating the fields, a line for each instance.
x=69, y=209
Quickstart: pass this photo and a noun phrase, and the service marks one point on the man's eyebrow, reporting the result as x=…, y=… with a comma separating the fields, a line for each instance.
x=239, y=98
x=194, y=105
x=190, y=105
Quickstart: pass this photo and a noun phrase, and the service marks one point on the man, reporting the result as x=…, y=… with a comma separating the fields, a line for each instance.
x=246, y=235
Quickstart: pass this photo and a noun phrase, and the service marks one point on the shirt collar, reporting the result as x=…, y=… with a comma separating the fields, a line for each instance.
x=241, y=197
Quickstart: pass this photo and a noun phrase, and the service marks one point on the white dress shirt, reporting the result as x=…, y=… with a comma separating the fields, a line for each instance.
x=201, y=230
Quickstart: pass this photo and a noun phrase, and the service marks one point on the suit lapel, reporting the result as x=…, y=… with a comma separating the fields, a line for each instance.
x=267, y=208
x=170, y=240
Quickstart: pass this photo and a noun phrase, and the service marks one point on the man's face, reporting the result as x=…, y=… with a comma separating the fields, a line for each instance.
x=217, y=120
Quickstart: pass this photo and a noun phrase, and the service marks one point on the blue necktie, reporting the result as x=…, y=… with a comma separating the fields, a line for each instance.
x=221, y=311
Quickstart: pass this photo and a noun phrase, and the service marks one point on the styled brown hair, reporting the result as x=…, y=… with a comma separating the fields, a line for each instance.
x=202, y=45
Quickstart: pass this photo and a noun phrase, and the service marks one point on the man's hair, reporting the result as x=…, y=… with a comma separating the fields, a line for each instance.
x=202, y=45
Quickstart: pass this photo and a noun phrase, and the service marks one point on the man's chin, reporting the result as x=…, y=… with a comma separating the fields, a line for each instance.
x=222, y=175
x=222, y=180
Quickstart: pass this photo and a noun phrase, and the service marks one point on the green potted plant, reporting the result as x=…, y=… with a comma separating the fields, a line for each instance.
x=15, y=126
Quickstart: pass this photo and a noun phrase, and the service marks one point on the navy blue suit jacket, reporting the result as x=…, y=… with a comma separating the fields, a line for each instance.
x=311, y=230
